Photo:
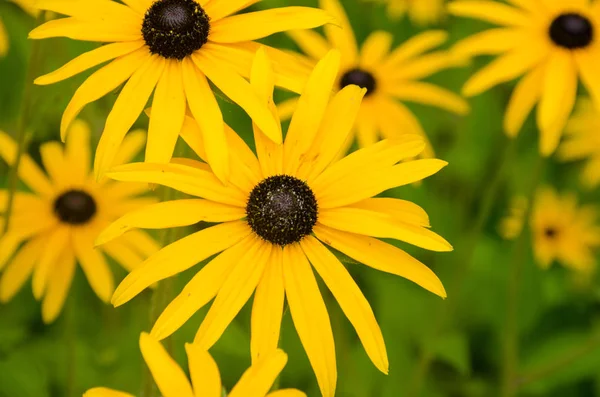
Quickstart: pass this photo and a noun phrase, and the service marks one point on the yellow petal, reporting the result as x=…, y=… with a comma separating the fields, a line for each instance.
x=353, y=303
x=311, y=43
x=55, y=244
x=415, y=46
x=90, y=10
x=88, y=30
x=256, y=25
x=20, y=268
x=126, y=110
x=234, y=293
x=340, y=35
x=220, y=9
x=56, y=165
x=169, y=377
x=523, y=99
x=93, y=264
x=490, y=11
x=206, y=379
x=77, y=151
x=139, y=6
x=59, y=284
x=267, y=308
x=310, y=111
x=586, y=61
x=202, y=288
x=375, y=48
x=104, y=392
x=489, y=42
x=429, y=94
x=259, y=378
x=310, y=317
x=401, y=210
x=381, y=256
x=180, y=256
x=123, y=254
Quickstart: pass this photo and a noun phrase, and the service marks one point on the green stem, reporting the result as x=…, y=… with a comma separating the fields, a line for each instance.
x=510, y=352
x=462, y=267
x=24, y=119
x=70, y=336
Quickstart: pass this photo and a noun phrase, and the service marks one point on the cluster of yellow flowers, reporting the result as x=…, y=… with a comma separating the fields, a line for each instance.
x=276, y=210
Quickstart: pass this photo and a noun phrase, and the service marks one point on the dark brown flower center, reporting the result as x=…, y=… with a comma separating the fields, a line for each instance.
x=361, y=78
x=75, y=207
x=175, y=29
x=571, y=31
x=282, y=210
x=550, y=232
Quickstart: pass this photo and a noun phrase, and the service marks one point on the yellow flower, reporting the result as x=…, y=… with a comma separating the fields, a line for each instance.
x=564, y=231
x=172, y=47
x=550, y=44
x=59, y=220
x=204, y=373
x=274, y=217
x=421, y=12
x=389, y=77
x=583, y=142
x=512, y=224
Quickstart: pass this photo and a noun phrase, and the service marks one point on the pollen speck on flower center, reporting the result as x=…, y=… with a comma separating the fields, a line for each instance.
x=361, y=78
x=571, y=31
x=175, y=29
x=75, y=207
x=282, y=210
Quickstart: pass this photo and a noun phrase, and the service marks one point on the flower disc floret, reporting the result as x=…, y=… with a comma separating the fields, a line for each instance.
x=282, y=210
x=361, y=78
x=75, y=207
x=174, y=29
x=571, y=31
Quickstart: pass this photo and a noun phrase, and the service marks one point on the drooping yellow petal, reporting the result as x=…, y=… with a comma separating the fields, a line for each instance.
x=93, y=264
x=190, y=180
x=100, y=83
x=207, y=115
x=20, y=268
x=168, y=214
x=180, y=256
x=310, y=317
x=377, y=224
x=310, y=111
x=126, y=110
x=55, y=244
x=234, y=293
x=267, y=308
x=59, y=283
x=381, y=256
x=168, y=112
x=353, y=303
x=523, y=99
x=256, y=25
x=169, y=377
x=203, y=287
x=90, y=59
x=206, y=380
x=258, y=379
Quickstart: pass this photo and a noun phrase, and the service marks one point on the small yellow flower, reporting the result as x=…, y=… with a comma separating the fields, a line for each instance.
x=172, y=47
x=59, y=220
x=583, y=142
x=276, y=217
x=420, y=12
x=551, y=44
x=389, y=76
x=204, y=373
x=561, y=229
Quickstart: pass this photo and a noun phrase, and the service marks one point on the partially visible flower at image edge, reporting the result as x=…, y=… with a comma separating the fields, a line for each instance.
x=172, y=48
x=54, y=226
x=204, y=373
x=275, y=217
x=582, y=142
x=548, y=45
x=390, y=77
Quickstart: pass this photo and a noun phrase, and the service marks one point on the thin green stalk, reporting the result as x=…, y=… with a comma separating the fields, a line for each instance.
x=24, y=117
x=70, y=339
x=462, y=265
x=510, y=351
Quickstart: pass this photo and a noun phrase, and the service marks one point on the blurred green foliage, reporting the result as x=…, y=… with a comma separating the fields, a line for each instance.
x=95, y=345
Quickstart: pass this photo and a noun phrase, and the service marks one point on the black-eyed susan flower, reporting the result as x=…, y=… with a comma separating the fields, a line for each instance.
x=172, y=381
x=562, y=230
x=55, y=225
x=388, y=77
x=549, y=44
x=583, y=142
x=420, y=12
x=172, y=48
x=276, y=217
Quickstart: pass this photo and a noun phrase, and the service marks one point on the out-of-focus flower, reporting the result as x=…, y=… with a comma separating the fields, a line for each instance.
x=512, y=224
x=276, y=215
x=420, y=12
x=57, y=222
x=389, y=76
x=172, y=47
x=204, y=374
x=583, y=142
x=549, y=44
